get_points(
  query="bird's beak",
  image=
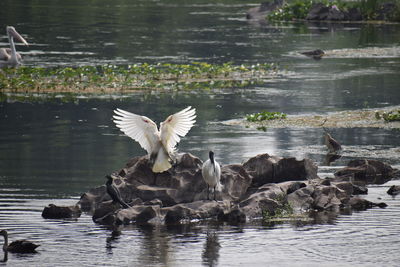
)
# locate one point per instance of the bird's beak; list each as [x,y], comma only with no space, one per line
[17,36]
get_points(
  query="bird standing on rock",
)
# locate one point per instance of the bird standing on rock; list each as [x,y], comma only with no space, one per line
[211,172]
[333,145]
[114,193]
[159,144]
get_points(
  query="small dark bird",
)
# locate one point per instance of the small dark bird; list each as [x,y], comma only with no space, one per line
[394,190]
[211,172]
[114,193]
[315,54]
[18,246]
[333,145]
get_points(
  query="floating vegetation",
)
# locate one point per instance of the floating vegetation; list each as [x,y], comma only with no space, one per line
[367,9]
[265,116]
[112,78]
[289,11]
[343,119]
[388,116]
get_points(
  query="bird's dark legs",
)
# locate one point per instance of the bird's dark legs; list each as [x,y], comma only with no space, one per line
[208,192]
[155,179]
[214,193]
[5,259]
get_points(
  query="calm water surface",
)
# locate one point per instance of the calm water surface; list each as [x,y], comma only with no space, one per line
[53,149]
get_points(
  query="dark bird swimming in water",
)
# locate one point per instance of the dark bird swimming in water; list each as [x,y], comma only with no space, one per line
[114,193]
[315,54]
[18,246]
[211,172]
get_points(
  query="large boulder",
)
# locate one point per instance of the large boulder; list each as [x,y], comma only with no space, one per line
[235,181]
[367,171]
[61,212]
[318,11]
[269,169]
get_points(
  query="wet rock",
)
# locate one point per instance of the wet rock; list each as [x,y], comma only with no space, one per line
[327,197]
[291,169]
[394,190]
[203,209]
[302,199]
[235,181]
[354,14]
[61,212]
[262,184]
[261,168]
[103,210]
[108,219]
[262,200]
[351,189]
[290,187]
[318,11]
[268,169]
[176,214]
[360,204]
[235,216]
[91,197]
[139,214]
[260,12]
[367,172]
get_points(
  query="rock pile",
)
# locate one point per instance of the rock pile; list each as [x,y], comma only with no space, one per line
[263,184]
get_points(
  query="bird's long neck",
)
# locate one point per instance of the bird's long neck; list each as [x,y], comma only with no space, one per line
[212,160]
[12,46]
[5,241]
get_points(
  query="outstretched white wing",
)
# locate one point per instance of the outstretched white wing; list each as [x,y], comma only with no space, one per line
[176,125]
[140,128]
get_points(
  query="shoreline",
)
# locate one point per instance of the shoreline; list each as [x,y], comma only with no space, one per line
[339,119]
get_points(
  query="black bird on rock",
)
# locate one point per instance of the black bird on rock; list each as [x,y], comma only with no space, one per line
[114,193]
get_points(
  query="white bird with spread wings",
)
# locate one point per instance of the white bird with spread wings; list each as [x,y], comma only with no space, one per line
[159,144]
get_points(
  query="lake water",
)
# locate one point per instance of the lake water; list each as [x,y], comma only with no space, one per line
[53,149]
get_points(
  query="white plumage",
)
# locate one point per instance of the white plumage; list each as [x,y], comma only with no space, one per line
[9,56]
[211,172]
[159,144]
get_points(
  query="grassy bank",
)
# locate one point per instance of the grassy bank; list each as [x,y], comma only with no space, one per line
[117,79]
[369,9]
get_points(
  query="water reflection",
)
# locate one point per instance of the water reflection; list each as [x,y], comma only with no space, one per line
[113,238]
[155,246]
[211,248]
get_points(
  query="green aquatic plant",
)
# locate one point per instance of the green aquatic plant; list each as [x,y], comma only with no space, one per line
[282,211]
[289,11]
[265,116]
[393,115]
[112,78]
[370,9]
